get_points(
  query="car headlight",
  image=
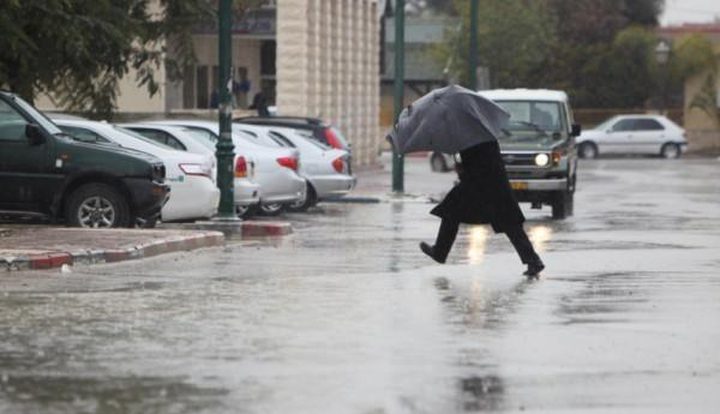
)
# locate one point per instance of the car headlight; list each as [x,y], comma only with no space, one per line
[542,160]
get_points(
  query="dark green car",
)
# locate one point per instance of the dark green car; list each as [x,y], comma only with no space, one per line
[538,147]
[44,171]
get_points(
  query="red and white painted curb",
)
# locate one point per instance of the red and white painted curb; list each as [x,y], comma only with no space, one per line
[48,260]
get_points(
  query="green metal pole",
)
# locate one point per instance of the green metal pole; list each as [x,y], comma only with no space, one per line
[473,52]
[398,170]
[225,154]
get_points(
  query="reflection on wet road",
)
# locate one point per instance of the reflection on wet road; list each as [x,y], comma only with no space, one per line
[347,316]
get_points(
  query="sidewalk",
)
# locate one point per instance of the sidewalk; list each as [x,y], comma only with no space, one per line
[25,247]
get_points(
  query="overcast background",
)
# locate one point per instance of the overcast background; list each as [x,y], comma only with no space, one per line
[696,11]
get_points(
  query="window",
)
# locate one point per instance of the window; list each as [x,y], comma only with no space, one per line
[624,125]
[281,140]
[161,137]
[648,125]
[12,124]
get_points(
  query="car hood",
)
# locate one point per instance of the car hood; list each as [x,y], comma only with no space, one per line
[112,147]
[533,145]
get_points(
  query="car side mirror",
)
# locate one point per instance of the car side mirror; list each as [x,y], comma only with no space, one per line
[576,130]
[34,134]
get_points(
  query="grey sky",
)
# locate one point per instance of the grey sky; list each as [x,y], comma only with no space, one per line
[696,11]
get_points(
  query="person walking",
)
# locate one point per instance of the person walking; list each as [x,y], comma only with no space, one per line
[482,196]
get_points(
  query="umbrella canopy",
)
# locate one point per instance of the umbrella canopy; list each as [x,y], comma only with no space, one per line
[448,120]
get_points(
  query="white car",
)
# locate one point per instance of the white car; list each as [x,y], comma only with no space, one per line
[193,194]
[326,169]
[276,169]
[246,190]
[633,134]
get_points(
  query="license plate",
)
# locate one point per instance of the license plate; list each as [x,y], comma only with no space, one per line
[519,185]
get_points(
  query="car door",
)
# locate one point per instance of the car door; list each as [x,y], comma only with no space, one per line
[648,137]
[26,170]
[617,138]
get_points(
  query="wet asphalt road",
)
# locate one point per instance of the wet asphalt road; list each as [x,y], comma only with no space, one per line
[346,315]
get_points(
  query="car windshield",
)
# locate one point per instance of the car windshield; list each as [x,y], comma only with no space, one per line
[532,120]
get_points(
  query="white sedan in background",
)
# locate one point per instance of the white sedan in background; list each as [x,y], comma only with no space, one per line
[246,190]
[275,168]
[193,193]
[633,134]
[326,169]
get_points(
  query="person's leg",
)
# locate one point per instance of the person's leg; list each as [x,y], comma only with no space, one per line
[444,241]
[525,250]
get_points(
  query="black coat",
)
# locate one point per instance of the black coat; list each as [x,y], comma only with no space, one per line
[483,195]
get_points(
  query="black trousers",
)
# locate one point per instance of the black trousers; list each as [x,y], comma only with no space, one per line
[519,239]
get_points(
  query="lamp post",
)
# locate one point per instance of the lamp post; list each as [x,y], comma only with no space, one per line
[473,50]
[398,166]
[662,56]
[225,148]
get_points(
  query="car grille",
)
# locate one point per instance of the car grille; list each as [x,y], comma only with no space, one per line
[519,160]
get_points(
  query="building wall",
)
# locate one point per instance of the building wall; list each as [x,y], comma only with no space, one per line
[702,129]
[328,67]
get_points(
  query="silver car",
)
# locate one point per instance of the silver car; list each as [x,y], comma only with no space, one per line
[246,190]
[326,169]
[633,134]
[276,169]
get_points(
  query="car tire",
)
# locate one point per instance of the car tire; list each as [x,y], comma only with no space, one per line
[437,163]
[245,212]
[97,205]
[588,150]
[304,204]
[272,209]
[563,205]
[670,151]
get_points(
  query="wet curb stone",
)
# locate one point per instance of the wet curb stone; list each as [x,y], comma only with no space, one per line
[49,260]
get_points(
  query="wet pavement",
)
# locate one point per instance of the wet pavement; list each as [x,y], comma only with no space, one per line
[347,316]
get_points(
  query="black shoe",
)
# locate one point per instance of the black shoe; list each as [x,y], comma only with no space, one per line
[534,269]
[430,251]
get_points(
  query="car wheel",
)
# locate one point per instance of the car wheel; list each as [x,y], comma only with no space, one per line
[437,163]
[246,211]
[97,205]
[563,205]
[272,209]
[670,151]
[305,203]
[588,150]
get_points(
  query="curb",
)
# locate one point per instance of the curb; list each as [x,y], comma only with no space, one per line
[87,257]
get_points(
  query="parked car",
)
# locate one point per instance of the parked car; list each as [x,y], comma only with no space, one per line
[275,168]
[634,134]
[539,147]
[246,191]
[326,169]
[45,171]
[194,195]
[321,131]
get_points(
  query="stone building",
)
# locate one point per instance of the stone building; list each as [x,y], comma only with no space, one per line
[314,58]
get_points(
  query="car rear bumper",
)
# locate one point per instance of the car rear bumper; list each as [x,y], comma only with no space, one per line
[332,185]
[287,187]
[196,198]
[549,184]
[246,192]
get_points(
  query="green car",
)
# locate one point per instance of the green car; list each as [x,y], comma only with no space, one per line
[539,147]
[45,171]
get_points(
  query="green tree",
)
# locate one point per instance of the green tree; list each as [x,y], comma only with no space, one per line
[78,50]
[514,36]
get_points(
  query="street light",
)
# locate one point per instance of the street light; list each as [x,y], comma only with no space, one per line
[662,56]
[398,166]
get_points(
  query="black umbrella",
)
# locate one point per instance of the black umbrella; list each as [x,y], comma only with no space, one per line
[448,120]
